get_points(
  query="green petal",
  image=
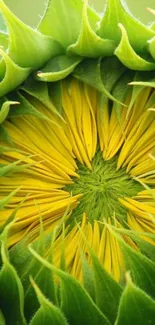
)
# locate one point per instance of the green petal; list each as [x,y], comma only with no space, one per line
[74,299]
[88,43]
[4,40]
[27,47]
[5,201]
[5,110]
[108,292]
[40,91]
[48,314]
[11,74]
[115,13]
[2,320]
[25,108]
[58,68]
[11,291]
[145,247]
[141,267]
[62,20]
[88,277]
[128,56]
[5,136]
[102,75]
[28,265]
[136,307]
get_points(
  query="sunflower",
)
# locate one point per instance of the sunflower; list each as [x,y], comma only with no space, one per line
[77,167]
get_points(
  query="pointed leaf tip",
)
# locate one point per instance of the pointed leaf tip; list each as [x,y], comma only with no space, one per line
[129,57]
[48,314]
[89,44]
[58,68]
[136,307]
[5,110]
[116,13]
[62,20]
[12,75]
[27,47]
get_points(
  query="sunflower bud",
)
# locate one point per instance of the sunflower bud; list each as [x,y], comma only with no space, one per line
[77,167]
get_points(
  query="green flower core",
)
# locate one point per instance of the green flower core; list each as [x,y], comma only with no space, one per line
[101,188]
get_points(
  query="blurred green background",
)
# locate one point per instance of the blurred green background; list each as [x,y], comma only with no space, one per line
[30,10]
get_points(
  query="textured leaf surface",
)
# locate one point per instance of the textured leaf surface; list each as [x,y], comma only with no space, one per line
[75,300]
[12,75]
[142,268]
[27,266]
[58,68]
[98,75]
[11,292]
[2,320]
[136,307]
[108,291]
[129,57]
[5,110]
[48,314]
[115,13]
[27,47]
[62,20]
[89,44]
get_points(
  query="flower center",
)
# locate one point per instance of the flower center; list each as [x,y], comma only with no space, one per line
[101,188]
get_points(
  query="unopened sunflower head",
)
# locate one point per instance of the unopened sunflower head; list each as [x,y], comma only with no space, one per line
[77,152]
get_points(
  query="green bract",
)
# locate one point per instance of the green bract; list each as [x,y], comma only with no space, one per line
[115,54]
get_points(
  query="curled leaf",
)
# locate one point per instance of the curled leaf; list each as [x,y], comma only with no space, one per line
[27,47]
[89,44]
[116,13]
[136,307]
[5,110]
[129,57]
[13,74]
[58,68]
[62,20]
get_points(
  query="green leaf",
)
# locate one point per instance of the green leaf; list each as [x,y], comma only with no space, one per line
[27,47]
[121,90]
[3,27]
[4,136]
[12,76]
[26,108]
[89,44]
[7,170]
[58,68]
[102,75]
[111,72]
[2,320]
[108,291]
[5,110]
[11,291]
[27,265]
[144,79]
[137,32]
[48,314]
[146,248]
[136,307]
[142,268]
[5,201]
[62,20]
[128,56]
[76,304]
[4,40]
[40,91]
[88,277]
[55,93]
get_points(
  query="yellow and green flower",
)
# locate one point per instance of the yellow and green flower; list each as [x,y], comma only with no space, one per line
[77,167]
